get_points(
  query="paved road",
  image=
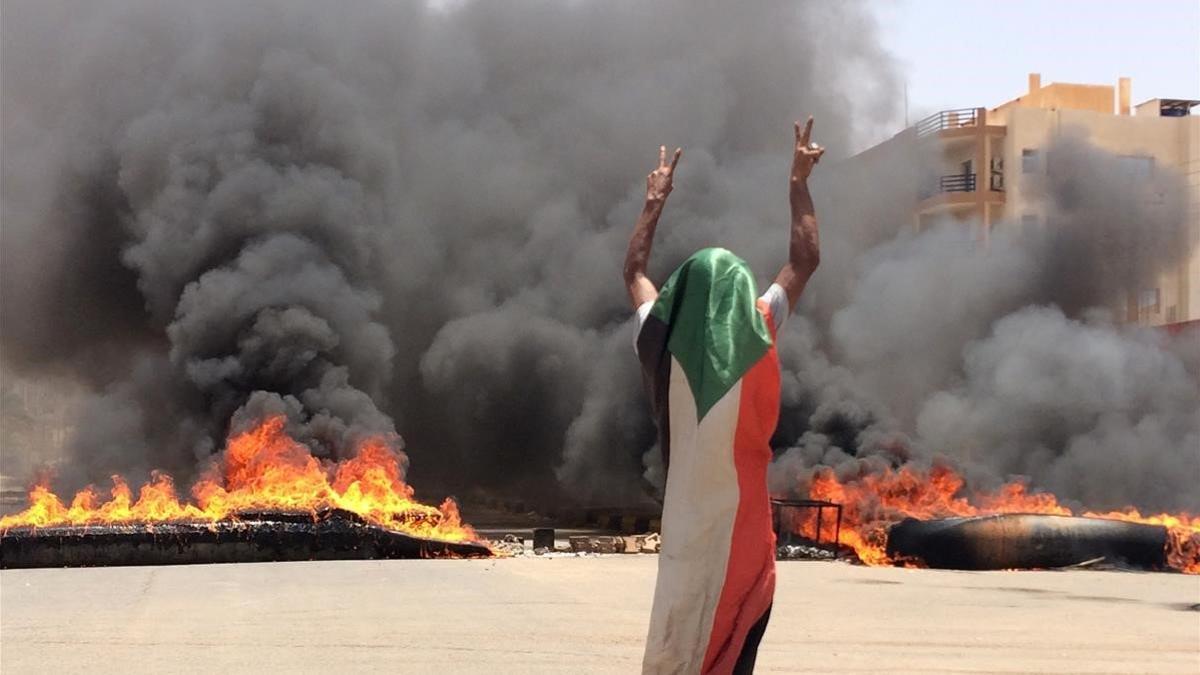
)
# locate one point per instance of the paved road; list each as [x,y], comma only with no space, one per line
[576,615]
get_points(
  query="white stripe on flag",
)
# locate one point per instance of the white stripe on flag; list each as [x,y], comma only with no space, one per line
[699,508]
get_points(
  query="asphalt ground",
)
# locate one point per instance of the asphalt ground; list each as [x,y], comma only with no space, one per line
[579,615]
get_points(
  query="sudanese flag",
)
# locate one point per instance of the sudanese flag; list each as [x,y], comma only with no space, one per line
[706,346]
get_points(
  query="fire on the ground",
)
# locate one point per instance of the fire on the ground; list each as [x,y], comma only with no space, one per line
[262,469]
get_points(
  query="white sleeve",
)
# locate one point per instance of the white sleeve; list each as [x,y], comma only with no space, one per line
[643,311]
[777,299]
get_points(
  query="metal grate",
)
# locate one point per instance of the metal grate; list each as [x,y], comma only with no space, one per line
[796,518]
[959,182]
[947,119]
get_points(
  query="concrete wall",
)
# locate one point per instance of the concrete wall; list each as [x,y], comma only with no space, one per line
[1151,108]
[1027,129]
[1065,96]
[1171,141]
[953,153]
[1190,167]
[1174,143]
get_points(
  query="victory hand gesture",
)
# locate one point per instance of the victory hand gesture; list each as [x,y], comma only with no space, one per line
[658,183]
[807,152]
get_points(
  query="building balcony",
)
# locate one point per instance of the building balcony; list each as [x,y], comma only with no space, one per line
[959,191]
[946,120]
[963,182]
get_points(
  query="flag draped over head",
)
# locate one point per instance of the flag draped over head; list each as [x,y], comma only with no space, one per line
[716,331]
[705,319]
[708,360]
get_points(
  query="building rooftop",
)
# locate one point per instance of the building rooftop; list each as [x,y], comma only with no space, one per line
[1167,107]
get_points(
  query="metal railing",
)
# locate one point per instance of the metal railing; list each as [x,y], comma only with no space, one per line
[962,182]
[947,119]
[794,519]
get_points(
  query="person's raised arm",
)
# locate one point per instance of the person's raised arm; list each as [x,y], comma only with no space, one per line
[804,250]
[658,186]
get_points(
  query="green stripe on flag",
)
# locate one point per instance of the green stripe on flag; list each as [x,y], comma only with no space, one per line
[716,332]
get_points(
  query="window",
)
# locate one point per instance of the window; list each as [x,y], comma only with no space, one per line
[1148,300]
[1148,307]
[1029,160]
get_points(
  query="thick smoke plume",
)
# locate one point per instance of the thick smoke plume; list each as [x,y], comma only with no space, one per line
[397,217]
[1005,360]
[216,210]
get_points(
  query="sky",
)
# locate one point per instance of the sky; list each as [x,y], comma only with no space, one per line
[970,53]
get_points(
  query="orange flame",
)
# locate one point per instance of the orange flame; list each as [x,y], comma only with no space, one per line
[873,502]
[262,469]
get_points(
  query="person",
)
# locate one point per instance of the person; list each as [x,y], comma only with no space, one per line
[706,346]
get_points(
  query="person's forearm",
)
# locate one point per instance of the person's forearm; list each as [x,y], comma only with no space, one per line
[658,186]
[638,255]
[804,249]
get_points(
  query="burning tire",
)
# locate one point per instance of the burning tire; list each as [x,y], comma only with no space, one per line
[1020,541]
[332,534]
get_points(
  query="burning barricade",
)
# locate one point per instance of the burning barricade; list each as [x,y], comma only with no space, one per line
[917,517]
[267,498]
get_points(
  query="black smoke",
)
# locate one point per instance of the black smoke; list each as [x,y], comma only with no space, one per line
[1011,360]
[395,211]
[401,217]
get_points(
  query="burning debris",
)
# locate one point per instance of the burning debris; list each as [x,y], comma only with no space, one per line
[273,221]
[328,534]
[268,498]
[1022,541]
[641,543]
[804,552]
[922,517]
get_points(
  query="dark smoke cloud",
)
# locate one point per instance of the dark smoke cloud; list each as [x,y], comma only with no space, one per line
[215,212]
[1113,223]
[400,218]
[1005,361]
[1100,415]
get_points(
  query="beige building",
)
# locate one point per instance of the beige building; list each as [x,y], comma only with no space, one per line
[981,158]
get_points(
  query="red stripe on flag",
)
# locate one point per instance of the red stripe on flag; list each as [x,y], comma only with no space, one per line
[750,574]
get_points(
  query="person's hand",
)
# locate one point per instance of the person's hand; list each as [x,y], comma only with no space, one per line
[807,153]
[658,183]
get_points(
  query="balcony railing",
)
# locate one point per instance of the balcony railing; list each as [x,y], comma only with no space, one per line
[947,119]
[961,182]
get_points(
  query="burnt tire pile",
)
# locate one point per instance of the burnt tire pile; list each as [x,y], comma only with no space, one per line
[331,534]
[1020,541]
